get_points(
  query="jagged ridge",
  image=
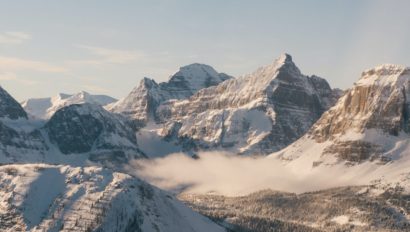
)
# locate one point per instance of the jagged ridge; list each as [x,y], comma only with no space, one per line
[143,100]
[257,113]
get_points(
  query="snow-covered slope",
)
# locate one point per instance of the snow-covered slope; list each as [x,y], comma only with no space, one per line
[258,113]
[44,108]
[38,197]
[143,100]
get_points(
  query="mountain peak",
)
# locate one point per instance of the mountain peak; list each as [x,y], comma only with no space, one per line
[9,107]
[197,67]
[143,100]
[284,58]
[284,61]
[192,78]
[147,83]
[195,75]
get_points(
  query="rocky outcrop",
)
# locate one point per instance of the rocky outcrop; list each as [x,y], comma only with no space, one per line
[258,113]
[354,151]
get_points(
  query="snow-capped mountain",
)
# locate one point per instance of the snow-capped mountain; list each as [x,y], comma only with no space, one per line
[257,113]
[143,100]
[44,108]
[39,197]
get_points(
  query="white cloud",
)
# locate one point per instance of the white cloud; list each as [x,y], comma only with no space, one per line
[106,55]
[14,37]
[230,174]
[12,63]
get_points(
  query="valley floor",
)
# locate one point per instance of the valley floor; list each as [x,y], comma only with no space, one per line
[360,208]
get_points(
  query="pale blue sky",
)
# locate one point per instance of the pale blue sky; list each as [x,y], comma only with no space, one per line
[107,47]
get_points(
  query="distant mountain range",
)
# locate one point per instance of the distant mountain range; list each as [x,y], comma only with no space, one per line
[44,108]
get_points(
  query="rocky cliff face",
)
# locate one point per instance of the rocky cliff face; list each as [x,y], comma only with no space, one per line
[15,140]
[16,146]
[258,113]
[370,122]
[141,103]
[89,128]
[378,102]
[143,100]
[9,107]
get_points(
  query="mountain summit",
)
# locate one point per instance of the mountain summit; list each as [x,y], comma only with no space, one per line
[143,100]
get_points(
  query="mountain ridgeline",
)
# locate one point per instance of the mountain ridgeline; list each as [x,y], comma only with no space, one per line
[257,113]
[197,109]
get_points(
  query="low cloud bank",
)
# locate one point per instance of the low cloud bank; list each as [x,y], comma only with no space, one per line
[228,174]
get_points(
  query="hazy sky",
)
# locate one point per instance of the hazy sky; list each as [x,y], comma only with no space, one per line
[107,47]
